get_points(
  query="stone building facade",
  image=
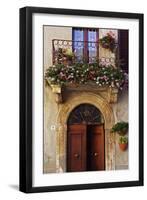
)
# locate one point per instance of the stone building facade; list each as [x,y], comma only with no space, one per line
[113,105]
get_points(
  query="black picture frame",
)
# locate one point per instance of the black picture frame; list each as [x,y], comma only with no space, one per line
[26,92]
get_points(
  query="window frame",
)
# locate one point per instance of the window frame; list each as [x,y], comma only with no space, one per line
[85,40]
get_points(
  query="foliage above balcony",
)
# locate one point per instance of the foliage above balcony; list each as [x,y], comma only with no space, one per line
[86,73]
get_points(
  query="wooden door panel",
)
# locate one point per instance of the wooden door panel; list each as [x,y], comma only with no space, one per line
[76,143]
[85,148]
[96,145]
[76,154]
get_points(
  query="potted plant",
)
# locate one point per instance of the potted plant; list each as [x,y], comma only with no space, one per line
[108,42]
[120,127]
[123,143]
[68,56]
[64,56]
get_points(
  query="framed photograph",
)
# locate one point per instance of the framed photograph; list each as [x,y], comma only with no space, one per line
[81,99]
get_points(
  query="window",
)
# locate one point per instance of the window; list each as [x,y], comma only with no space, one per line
[85,113]
[85,44]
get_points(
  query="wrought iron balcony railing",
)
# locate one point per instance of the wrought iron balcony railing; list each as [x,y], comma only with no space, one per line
[70,52]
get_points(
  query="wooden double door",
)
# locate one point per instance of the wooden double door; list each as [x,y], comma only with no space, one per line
[85,148]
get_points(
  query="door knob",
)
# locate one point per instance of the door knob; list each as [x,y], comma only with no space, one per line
[76,155]
[96,154]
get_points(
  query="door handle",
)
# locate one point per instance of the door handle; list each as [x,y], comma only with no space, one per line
[76,155]
[96,154]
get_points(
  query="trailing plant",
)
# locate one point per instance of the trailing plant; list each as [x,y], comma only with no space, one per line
[81,73]
[108,41]
[120,127]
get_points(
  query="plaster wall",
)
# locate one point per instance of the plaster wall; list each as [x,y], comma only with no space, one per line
[51,108]
[121,114]
[50,33]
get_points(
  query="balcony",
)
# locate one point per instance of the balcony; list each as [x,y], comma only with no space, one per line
[78,66]
[70,52]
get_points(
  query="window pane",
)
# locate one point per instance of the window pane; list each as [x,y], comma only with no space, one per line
[78,35]
[85,113]
[92,45]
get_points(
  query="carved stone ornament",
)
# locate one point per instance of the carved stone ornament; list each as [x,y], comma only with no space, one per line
[109,93]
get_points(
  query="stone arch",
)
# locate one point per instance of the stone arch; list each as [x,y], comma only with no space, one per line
[61,135]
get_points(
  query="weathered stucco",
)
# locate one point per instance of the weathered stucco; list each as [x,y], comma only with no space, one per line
[121,114]
[50,33]
[50,106]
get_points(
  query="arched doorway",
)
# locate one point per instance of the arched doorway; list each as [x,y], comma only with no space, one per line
[85,139]
[66,109]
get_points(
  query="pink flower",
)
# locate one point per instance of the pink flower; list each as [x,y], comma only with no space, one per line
[112,34]
[61,74]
